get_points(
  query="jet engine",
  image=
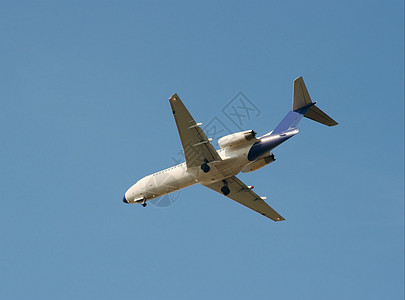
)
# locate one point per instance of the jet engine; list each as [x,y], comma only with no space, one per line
[237,139]
[259,164]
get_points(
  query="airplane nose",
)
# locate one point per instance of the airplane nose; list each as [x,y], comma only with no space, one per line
[124,200]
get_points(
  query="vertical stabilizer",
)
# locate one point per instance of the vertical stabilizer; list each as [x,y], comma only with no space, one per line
[301,96]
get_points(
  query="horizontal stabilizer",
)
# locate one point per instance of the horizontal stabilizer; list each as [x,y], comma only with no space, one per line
[314,113]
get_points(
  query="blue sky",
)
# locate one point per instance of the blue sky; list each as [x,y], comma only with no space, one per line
[84,88]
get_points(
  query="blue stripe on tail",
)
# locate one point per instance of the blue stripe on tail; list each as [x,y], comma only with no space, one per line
[285,130]
[291,120]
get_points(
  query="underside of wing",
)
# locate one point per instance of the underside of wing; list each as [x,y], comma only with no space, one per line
[196,146]
[241,193]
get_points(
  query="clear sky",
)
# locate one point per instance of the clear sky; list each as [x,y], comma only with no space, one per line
[84,88]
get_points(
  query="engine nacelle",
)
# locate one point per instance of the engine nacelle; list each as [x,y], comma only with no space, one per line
[236,139]
[259,164]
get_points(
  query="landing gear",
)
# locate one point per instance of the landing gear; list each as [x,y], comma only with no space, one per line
[205,167]
[225,189]
[144,204]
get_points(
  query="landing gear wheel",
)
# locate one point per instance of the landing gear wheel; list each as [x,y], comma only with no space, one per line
[205,167]
[225,190]
[144,204]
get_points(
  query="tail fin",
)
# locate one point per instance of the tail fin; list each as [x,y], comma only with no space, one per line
[302,101]
[302,107]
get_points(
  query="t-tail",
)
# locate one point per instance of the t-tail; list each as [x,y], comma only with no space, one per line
[302,107]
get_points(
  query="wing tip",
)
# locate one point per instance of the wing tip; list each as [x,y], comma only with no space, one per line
[174,97]
[275,219]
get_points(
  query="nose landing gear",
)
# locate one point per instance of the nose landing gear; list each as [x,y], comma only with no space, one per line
[141,200]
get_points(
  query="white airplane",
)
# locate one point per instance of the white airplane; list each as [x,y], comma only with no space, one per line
[239,152]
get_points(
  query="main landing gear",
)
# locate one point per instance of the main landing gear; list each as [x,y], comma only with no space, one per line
[205,167]
[144,204]
[225,189]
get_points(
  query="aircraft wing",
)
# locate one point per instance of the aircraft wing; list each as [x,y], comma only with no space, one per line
[197,147]
[245,196]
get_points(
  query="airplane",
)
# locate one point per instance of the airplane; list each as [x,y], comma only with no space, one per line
[239,152]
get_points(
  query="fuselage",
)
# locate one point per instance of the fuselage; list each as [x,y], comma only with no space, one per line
[234,160]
